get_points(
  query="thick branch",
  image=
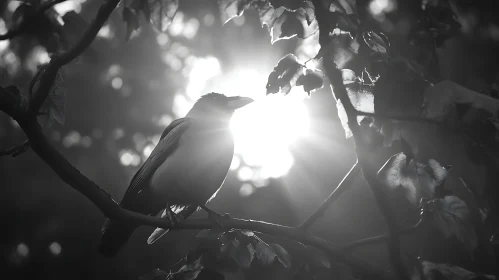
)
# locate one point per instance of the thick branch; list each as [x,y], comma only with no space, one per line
[73,177]
[337,192]
[16,31]
[379,238]
[340,92]
[49,74]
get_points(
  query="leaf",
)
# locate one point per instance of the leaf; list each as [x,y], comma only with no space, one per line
[360,95]
[291,5]
[417,180]
[265,253]
[56,110]
[225,252]
[303,7]
[349,76]
[53,106]
[285,23]
[156,274]
[161,13]
[188,271]
[243,255]
[343,45]
[441,100]
[282,254]
[441,271]
[131,20]
[232,8]
[452,218]
[234,250]
[289,73]
[273,18]
[312,80]
[377,42]
[308,10]
[343,6]
[287,26]
[267,13]
[74,26]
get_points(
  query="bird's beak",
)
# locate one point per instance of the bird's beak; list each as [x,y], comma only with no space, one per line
[236,102]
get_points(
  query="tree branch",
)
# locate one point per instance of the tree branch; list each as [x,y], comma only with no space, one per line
[16,150]
[379,238]
[73,177]
[337,192]
[16,31]
[398,118]
[50,72]
[340,92]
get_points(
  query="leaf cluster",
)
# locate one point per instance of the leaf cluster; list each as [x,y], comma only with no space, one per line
[159,13]
[227,253]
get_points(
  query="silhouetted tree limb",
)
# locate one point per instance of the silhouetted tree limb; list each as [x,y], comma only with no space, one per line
[16,150]
[337,192]
[73,177]
[398,118]
[17,30]
[335,78]
[379,238]
[11,105]
[50,71]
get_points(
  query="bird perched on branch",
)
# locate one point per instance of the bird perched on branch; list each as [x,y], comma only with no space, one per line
[184,171]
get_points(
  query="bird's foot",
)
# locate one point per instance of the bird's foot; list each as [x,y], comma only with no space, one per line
[171,217]
[218,219]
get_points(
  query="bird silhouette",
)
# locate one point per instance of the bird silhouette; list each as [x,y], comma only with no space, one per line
[184,171]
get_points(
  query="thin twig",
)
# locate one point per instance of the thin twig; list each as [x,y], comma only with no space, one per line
[16,150]
[379,238]
[16,31]
[337,192]
[340,92]
[398,118]
[50,73]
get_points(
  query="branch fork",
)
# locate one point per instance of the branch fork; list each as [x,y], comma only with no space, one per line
[72,176]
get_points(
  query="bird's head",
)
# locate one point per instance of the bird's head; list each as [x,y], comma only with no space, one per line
[217,107]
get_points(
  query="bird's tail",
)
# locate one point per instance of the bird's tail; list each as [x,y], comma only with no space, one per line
[182,212]
[114,236]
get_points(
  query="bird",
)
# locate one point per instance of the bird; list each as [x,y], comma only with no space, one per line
[183,173]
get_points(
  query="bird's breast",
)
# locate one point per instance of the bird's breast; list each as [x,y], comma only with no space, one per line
[196,169]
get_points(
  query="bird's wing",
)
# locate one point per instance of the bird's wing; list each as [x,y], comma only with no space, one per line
[166,145]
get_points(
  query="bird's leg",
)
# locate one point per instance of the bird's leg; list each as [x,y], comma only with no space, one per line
[172,217]
[217,218]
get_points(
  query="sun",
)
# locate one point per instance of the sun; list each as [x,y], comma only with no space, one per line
[263,130]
